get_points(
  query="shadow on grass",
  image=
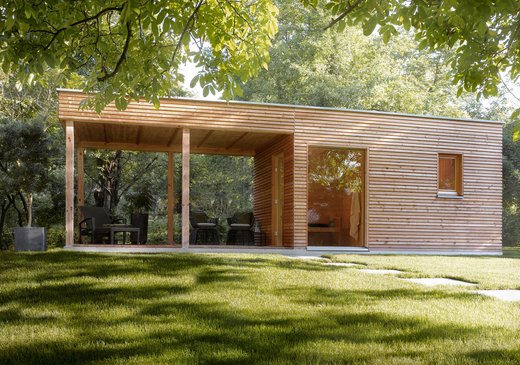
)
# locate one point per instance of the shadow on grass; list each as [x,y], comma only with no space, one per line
[200,321]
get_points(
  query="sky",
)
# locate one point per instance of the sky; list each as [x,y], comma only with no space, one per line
[190,70]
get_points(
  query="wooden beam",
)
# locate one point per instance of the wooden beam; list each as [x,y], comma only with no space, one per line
[81,179]
[185,188]
[69,183]
[205,138]
[237,140]
[138,136]
[158,148]
[172,138]
[171,201]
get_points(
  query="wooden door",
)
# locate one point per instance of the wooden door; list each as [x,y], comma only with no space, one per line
[277,200]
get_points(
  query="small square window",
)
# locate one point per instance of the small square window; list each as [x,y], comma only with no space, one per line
[449,173]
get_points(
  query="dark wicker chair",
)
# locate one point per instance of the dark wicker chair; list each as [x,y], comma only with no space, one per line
[204,229]
[94,224]
[241,229]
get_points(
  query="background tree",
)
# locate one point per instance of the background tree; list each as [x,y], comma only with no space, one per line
[500,109]
[221,185]
[310,66]
[25,153]
[38,103]
[483,36]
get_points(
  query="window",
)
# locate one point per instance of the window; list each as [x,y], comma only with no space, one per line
[450,175]
[336,196]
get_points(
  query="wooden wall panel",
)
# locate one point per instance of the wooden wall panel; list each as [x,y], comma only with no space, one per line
[262,189]
[404,211]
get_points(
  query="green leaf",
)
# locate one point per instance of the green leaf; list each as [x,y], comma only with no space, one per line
[342,25]
[194,81]
[369,25]
[516,114]
[516,136]
[386,36]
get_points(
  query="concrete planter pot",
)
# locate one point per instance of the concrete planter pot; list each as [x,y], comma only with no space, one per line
[139,220]
[30,239]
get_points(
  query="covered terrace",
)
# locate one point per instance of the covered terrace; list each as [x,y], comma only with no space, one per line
[186,126]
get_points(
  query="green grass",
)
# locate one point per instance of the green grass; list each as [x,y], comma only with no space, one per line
[75,308]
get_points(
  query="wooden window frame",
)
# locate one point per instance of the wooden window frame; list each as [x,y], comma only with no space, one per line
[459,176]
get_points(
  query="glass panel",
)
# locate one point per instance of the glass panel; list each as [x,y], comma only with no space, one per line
[447,173]
[336,197]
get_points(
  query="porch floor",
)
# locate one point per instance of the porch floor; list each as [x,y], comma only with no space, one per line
[287,251]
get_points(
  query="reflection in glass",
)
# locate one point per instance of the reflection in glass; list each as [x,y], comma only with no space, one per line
[336,197]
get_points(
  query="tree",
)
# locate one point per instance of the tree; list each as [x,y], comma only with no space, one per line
[500,109]
[35,105]
[484,36]
[310,66]
[113,174]
[25,152]
[128,49]
[134,48]
[511,188]
[221,185]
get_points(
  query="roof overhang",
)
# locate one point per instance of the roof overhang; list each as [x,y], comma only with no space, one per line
[215,127]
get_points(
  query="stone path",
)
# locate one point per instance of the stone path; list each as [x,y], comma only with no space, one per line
[439,281]
[304,257]
[342,264]
[381,271]
[507,295]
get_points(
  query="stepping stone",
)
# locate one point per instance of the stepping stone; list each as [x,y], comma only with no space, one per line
[381,271]
[342,264]
[307,257]
[439,281]
[507,295]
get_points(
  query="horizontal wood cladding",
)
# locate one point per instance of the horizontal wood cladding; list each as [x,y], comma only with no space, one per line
[404,211]
[184,113]
[262,190]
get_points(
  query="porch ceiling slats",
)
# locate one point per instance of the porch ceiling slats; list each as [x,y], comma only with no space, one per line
[219,129]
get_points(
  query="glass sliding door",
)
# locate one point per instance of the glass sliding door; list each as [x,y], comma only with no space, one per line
[336,197]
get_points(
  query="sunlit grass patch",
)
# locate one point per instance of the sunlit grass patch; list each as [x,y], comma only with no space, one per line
[76,308]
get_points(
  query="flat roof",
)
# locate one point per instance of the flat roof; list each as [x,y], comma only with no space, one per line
[295,106]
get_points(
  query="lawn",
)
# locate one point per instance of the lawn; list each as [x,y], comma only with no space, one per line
[77,308]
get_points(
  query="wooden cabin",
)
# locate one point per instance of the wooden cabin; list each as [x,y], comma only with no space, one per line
[324,179]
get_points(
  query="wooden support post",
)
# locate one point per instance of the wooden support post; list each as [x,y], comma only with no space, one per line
[69,183]
[81,178]
[171,202]
[185,187]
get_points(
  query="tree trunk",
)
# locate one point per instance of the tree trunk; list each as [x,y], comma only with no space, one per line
[29,209]
[109,181]
[20,215]
[4,207]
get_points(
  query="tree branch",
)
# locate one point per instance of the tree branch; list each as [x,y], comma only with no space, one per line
[345,13]
[82,21]
[121,57]
[186,27]
[136,179]
[12,199]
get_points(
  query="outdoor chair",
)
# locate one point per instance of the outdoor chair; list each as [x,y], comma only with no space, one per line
[204,230]
[241,229]
[95,223]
